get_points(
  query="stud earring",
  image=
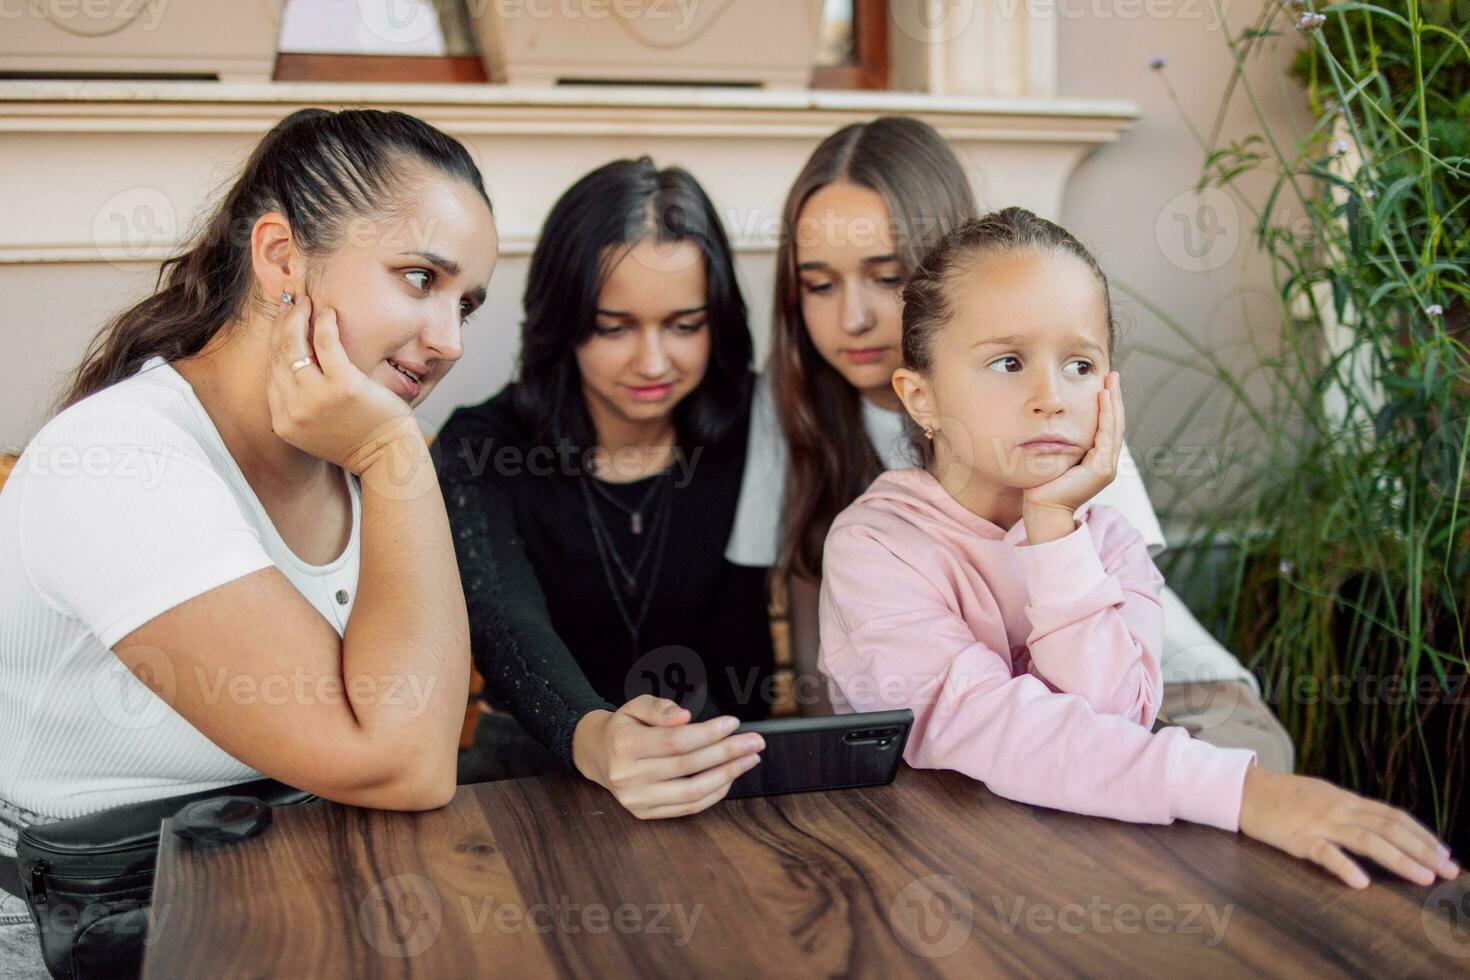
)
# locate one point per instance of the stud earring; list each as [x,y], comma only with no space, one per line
[287,298]
[928,432]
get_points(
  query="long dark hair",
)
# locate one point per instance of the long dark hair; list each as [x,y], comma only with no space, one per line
[929,298]
[317,167]
[609,210]
[913,169]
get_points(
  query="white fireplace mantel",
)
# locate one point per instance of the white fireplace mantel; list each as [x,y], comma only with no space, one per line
[101,180]
[181,139]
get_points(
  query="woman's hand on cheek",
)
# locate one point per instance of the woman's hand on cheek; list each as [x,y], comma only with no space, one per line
[326,406]
[1048,508]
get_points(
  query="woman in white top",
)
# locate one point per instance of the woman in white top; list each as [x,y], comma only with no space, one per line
[825,420]
[228,555]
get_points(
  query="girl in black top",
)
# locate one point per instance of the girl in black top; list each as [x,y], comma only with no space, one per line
[592,500]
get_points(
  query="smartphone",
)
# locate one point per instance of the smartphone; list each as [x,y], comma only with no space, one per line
[830,752]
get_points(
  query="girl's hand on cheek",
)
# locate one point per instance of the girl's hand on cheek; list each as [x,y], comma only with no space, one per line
[1048,508]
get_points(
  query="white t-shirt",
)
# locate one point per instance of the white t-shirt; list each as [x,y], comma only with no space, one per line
[1191,653]
[122,507]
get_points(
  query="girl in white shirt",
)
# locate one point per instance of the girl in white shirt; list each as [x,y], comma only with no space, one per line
[825,421]
[228,555]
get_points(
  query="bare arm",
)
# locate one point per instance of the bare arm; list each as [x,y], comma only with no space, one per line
[810,685]
[371,718]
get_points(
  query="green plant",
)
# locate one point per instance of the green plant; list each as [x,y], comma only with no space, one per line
[1347,582]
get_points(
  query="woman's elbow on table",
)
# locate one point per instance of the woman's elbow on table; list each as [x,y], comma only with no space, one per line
[416,786]
[429,792]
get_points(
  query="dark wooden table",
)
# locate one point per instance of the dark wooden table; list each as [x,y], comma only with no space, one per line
[932,875]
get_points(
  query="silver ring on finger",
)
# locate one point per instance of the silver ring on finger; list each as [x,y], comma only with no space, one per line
[302,362]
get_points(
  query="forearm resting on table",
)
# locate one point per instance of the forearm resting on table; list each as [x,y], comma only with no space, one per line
[804,636]
[587,737]
[408,626]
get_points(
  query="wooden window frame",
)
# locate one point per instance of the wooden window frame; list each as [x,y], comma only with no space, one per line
[302,67]
[869,69]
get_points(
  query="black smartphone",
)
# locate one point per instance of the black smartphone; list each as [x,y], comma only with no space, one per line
[830,752]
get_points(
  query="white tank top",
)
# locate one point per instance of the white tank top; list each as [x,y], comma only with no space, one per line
[123,506]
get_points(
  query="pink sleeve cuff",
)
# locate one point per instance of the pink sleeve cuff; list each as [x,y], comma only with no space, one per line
[1062,570]
[1205,782]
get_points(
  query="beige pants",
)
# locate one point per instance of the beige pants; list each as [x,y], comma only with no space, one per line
[1230,715]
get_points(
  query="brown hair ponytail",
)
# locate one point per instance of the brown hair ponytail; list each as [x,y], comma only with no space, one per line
[318,168]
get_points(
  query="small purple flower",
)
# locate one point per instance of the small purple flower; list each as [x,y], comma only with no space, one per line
[1370,193]
[1338,148]
[1310,21]
[1434,309]
[1157,62]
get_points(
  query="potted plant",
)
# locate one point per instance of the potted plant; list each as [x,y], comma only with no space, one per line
[1345,581]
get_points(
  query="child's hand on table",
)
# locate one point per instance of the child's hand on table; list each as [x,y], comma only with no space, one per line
[1319,822]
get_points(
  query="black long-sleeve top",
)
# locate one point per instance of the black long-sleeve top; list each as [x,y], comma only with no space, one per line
[545,630]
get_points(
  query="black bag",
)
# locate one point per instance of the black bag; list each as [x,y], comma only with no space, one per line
[88,880]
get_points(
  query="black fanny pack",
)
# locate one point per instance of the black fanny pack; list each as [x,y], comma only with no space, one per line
[88,881]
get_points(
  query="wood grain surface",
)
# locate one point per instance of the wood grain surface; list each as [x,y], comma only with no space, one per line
[933,875]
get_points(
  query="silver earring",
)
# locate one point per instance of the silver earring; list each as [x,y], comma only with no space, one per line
[287,298]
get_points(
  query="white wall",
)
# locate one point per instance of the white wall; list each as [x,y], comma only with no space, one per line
[100,181]
[1124,203]
[62,161]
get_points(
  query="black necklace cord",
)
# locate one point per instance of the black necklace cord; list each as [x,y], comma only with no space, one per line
[610,560]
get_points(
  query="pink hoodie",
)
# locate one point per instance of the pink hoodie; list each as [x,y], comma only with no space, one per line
[1034,668]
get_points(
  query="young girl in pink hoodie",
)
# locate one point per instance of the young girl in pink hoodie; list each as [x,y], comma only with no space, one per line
[1021,624]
